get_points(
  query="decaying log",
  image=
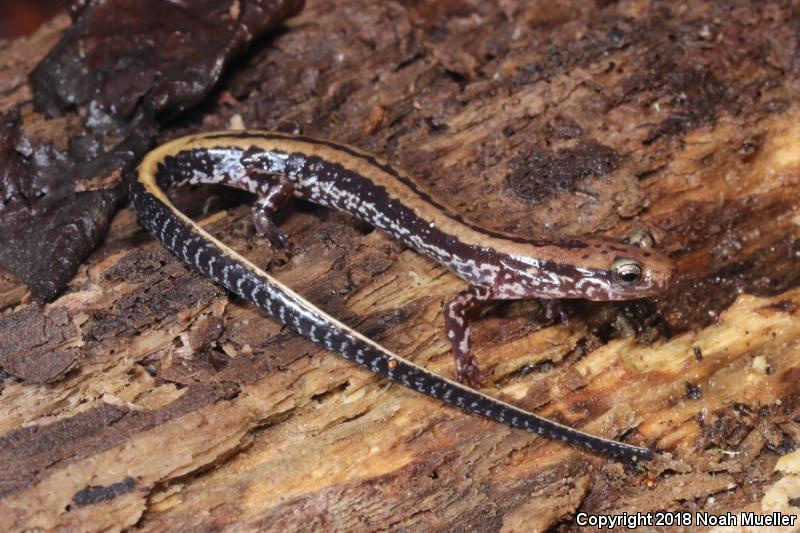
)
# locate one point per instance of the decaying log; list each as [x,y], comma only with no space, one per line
[146,396]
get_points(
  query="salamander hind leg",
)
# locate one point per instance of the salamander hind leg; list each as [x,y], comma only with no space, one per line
[280,191]
[456,321]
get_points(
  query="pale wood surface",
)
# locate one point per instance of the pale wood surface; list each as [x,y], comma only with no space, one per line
[186,408]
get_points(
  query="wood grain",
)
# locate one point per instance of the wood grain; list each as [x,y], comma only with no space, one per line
[185,408]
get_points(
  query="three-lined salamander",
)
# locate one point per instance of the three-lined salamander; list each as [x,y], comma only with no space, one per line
[277,166]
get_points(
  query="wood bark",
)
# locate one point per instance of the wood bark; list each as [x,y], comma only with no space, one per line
[182,407]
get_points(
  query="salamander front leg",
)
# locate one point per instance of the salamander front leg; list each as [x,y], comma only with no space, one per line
[553,308]
[456,322]
[279,192]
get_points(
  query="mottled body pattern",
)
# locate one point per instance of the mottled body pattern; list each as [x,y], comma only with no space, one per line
[498,266]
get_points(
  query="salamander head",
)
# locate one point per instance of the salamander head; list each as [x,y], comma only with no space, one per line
[611,270]
[592,269]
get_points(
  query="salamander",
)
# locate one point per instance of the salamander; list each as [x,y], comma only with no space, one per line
[498,266]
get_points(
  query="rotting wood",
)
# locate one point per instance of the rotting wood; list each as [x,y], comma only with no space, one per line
[187,408]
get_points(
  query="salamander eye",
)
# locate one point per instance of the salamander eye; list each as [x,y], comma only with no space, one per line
[626,271]
[641,238]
